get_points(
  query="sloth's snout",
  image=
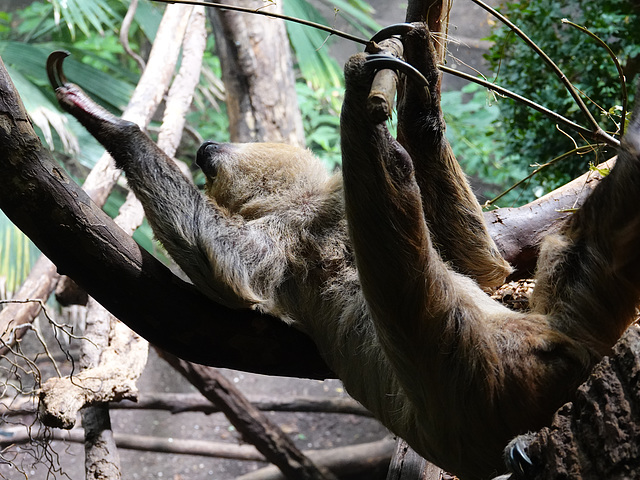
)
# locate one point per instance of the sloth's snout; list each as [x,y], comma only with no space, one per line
[206,157]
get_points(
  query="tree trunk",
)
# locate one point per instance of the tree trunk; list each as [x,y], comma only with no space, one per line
[257,70]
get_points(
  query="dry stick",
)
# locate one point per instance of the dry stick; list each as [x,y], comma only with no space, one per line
[124,34]
[177,403]
[195,402]
[252,424]
[361,461]
[341,458]
[383,86]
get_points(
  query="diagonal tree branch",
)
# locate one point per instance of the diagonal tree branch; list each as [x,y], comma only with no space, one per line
[86,244]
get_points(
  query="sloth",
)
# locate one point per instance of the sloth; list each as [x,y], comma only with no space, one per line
[386,264]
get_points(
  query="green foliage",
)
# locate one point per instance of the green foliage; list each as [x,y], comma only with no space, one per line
[27,37]
[320,88]
[17,256]
[320,108]
[97,60]
[528,134]
[473,129]
[311,45]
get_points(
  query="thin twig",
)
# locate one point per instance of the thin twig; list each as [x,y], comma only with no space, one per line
[577,150]
[267,13]
[563,78]
[124,34]
[598,135]
[623,82]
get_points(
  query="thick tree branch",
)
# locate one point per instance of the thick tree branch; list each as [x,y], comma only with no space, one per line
[519,231]
[85,244]
[261,107]
[145,100]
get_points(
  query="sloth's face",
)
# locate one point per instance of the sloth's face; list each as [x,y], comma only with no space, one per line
[257,176]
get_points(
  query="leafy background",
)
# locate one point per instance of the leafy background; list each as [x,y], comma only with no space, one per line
[529,138]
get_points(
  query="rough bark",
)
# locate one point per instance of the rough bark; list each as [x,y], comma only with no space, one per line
[598,435]
[406,464]
[101,458]
[112,377]
[261,106]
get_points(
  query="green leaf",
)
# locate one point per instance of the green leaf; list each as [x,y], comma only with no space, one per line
[80,13]
[310,46]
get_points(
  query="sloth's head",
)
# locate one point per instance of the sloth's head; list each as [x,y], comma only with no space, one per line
[255,179]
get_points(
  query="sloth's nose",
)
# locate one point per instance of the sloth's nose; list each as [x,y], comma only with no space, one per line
[205,152]
[206,155]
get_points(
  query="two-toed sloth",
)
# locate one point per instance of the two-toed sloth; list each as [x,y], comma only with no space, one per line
[384,266]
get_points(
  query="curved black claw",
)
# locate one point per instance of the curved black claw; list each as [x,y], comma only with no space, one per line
[378,61]
[391,30]
[54,68]
[517,459]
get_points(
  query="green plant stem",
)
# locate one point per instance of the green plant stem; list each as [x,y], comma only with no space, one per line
[584,148]
[623,82]
[598,135]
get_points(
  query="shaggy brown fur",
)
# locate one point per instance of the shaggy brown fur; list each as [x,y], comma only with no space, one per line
[392,293]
